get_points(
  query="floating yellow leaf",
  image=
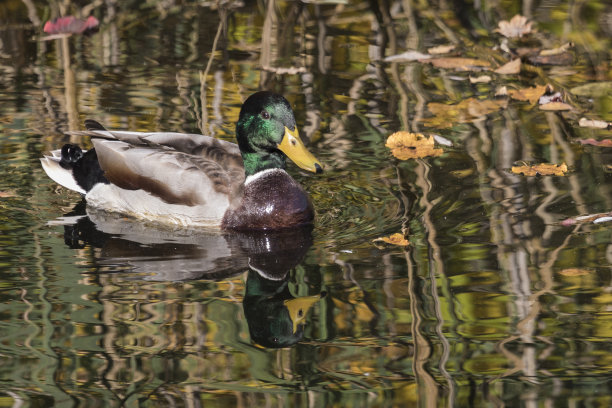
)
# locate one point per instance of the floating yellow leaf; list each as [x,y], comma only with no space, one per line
[574,272]
[459,64]
[555,106]
[544,169]
[512,67]
[406,145]
[528,94]
[394,239]
[515,28]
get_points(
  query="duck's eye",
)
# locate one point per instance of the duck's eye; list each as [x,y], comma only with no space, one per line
[265,115]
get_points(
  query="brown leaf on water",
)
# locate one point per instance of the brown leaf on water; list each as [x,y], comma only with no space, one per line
[574,272]
[601,143]
[515,28]
[555,106]
[7,194]
[544,169]
[406,145]
[512,67]
[394,239]
[528,94]
[593,123]
[459,64]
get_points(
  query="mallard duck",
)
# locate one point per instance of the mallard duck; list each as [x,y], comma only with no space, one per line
[195,180]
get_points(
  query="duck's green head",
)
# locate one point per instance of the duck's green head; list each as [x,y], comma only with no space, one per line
[267,133]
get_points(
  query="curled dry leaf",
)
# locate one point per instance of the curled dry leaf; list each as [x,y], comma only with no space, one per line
[515,28]
[532,94]
[512,67]
[406,145]
[459,64]
[544,169]
[592,123]
[394,239]
[558,50]
[555,106]
[601,143]
[440,49]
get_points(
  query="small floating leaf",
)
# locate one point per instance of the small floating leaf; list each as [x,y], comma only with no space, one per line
[515,28]
[410,55]
[483,79]
[394,239]
[71,25]
[601,143]
[557,51]
[593,123]
[532,94]
[555,106]
[512,67]
[459,64]
[406,145]
[440,49]
[544,169]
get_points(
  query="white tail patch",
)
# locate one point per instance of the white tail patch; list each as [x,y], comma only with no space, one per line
[59,174]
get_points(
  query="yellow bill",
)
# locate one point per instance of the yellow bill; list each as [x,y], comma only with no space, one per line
[293,147]
[298,308]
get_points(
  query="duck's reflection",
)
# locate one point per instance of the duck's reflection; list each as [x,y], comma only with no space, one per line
[275,317]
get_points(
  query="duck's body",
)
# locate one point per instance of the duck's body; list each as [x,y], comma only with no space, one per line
[196,180]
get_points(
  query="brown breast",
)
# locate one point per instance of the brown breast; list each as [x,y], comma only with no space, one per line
[272,201]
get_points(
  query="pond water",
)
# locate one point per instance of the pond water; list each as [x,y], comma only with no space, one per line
[495,302]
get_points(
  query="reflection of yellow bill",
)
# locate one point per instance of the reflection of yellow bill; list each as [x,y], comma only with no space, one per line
[299,307]
[293,147]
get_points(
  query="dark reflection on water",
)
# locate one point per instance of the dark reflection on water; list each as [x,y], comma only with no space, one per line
[494,303]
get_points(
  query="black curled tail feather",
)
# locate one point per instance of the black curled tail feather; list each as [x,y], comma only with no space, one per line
[85,167]
[91,124]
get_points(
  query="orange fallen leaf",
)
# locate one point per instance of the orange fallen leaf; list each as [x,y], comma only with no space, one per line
[459,64]
[528,94]
[515,28]
[512,67]
[394,239]
[406,145]
[574,272]
[544,169]
[555,106]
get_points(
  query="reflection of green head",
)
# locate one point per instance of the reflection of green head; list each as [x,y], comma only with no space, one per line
[275,317]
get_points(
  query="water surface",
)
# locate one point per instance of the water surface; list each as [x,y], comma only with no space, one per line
[494,303]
